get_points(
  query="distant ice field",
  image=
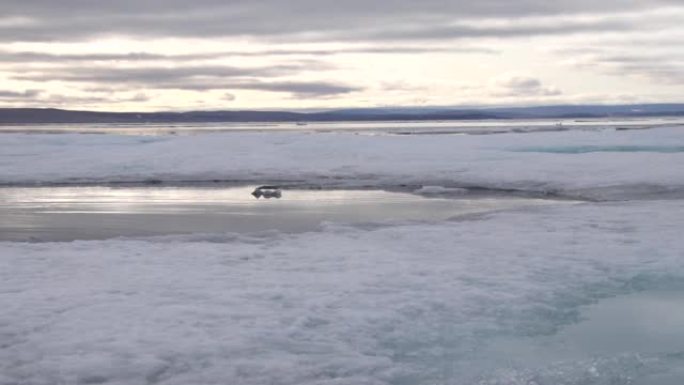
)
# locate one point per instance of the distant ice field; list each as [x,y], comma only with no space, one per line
[370,128]
[594,164]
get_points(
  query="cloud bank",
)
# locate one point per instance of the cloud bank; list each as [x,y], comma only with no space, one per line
[333,53]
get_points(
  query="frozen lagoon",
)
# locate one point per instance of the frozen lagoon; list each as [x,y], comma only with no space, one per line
[535,296]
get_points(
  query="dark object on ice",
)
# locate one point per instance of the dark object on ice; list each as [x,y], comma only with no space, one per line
[267,192]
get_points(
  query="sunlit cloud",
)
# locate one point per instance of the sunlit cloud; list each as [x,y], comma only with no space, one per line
[151,54]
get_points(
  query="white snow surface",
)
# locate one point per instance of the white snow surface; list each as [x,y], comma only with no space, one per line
[493,161]
[403,304]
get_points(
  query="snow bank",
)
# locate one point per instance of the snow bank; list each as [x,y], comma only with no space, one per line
[494,161]
[411,304]
[440,190]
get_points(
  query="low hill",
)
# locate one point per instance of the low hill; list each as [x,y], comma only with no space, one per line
[50,115]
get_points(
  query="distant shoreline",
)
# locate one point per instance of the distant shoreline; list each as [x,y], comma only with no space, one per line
[10,116]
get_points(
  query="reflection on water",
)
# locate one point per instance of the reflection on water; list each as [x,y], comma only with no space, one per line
[649,322]
[67,213]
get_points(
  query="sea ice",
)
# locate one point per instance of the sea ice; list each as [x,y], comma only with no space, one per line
[413,303]
[334,159]
[403,303]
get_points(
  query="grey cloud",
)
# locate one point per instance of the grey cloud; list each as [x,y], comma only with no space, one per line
[663,71]
[41,99]
[157,74]
[399,86]
[4,94]
[303,89]
[376,27]
[307,89]
[523,86]
[81,19]
[627,58]
[44,57]
[105,90]
[139,97]
[670,40]
[406,50]
[68,100]
[657,67]
[508,31]
[21,57]
[193,78]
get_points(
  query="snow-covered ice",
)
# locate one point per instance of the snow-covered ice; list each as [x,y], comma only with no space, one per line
[440,190]
[493,161]
[409,304]
[398,304]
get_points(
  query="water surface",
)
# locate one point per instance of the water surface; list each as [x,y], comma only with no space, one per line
[69,213]
[630,339]
[590,149]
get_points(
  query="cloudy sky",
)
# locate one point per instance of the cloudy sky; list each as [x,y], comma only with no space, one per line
[298,54]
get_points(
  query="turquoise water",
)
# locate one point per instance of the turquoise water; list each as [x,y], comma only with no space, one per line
[589,149]
[633,339]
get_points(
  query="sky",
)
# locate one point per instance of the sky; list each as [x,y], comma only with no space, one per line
[151,55]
